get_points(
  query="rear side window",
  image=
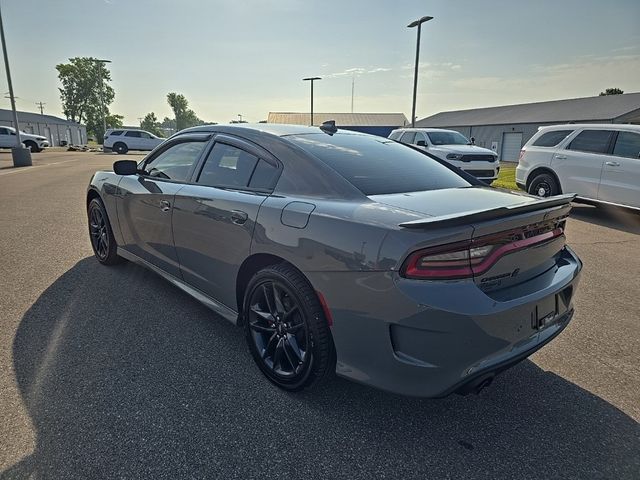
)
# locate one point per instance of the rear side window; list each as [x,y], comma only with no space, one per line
[627,145]
[264,176]
[408,137]
[376,165]
[592,141]
[552,139]
[227,166]
[133,133]
[395,135]
[115,132]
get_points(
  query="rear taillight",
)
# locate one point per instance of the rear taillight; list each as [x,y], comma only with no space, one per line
[474,257]
[521,154]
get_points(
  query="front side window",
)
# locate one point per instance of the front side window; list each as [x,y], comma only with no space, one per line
[592,141]
[627,145]
[447,138]
[175,162]
[408,137]
[4,131]
[132,133]
[552,139]
[227,166]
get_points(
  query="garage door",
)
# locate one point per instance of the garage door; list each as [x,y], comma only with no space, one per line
[511,145]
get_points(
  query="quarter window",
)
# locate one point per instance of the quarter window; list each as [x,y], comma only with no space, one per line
[627,145]
[264,176]
[115,132]
[552,139]
[395,135]
[592,141]
[133,133]
[175,162]
[227,166]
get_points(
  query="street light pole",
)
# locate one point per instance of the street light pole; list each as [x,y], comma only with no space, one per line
[102,109]
[417,23]
[21,156]
[311,79]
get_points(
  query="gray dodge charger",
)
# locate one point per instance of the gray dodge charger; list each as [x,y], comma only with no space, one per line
[342,252]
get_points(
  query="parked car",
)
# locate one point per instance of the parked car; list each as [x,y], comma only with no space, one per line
[35,143]
[600,163]
[452,147]
[346,252]
[122,140]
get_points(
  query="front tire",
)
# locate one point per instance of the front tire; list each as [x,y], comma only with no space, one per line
[544,185]
[33,146]
[120,148]
[286,329]
[102,240]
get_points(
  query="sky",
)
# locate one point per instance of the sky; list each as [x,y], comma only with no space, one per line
[248,57]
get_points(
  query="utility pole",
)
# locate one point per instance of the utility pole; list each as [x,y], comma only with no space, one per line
[41,107]
[21,156]
[417,23]
[139,121]
[311,79]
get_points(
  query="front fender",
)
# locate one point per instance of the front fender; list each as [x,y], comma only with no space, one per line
[105,185]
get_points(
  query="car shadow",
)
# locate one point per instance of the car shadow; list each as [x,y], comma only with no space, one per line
[625,220]
[125,376]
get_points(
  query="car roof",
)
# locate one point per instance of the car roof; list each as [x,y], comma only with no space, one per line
[420,129]
[597,126]
[277,129]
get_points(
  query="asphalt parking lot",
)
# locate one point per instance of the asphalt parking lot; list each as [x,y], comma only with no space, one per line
[113,373]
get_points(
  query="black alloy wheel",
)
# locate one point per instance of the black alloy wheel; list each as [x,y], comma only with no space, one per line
[102,239]
[286,329]
[544,185]
[120,148]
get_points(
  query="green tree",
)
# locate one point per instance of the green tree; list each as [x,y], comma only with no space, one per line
[151,124]
[611,91]
[184,116]
[85,89]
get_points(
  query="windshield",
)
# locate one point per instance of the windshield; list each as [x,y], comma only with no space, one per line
[447,138]
[376,165]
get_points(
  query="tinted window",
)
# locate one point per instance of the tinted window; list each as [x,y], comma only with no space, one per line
[175,162]
[376,165]
[551,139]
[627,145]
[264,176]
[395,135]
[595,141]
[4,131]
[133,133]
[144,135]
[116,132]
[447,138]
[227,166]
[408,137]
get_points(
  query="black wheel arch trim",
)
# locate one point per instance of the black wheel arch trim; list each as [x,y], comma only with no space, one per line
[540,170]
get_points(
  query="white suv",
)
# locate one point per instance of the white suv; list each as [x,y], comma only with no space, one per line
[122,140]
[454,148]
[598,162]
[35,143]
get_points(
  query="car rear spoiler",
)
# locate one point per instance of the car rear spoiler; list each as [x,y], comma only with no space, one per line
[561,202]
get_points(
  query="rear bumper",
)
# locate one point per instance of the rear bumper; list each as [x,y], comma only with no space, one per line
[430,339]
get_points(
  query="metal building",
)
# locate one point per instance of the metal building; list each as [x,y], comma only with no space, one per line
[373,123]
[506,129]
[53,128]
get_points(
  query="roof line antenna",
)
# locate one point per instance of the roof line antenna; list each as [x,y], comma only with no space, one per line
[329,127]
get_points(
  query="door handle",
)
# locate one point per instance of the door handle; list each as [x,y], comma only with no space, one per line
[165,205]
[238,217]
[612,164]
[561,157]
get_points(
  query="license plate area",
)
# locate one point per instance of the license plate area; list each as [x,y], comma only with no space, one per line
[545,313]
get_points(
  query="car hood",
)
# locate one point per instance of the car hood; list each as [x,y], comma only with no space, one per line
[464,149]
[451,201]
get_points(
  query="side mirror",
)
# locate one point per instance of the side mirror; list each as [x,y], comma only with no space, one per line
[125,167]
[421,143]
[473,140]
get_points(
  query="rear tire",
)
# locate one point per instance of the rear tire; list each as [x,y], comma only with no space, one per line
[286,329]
[544,185]
[103,242]
[120,148]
